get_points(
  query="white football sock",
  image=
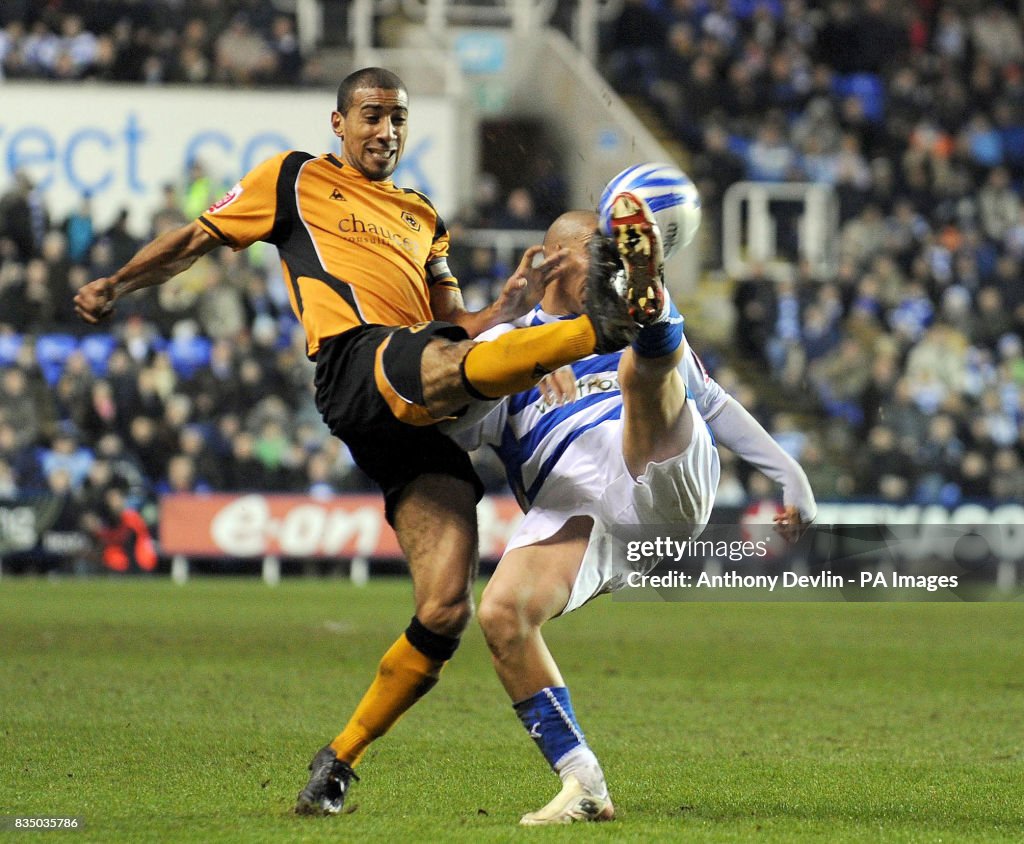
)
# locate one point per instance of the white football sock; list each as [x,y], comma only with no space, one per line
[582,764]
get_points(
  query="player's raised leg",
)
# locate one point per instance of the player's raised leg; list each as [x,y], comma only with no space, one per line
[530,586]
[653,392]
[455,373]
[435,521]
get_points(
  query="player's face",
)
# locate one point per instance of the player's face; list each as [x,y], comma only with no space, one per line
[572,232]
[373,130]
[572,280]
[576,271]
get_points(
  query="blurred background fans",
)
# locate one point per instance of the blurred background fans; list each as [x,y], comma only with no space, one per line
[856,281]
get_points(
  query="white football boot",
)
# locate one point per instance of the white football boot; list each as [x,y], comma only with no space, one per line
[572,803]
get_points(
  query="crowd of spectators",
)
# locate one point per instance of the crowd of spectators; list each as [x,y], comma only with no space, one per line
[200,385]
[237,42]
[913,110]
[203,385]
[901,377]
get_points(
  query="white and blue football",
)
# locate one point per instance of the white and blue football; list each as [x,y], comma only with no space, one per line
[668,192]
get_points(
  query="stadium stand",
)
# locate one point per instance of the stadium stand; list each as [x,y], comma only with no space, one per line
[153,41]
[906,367]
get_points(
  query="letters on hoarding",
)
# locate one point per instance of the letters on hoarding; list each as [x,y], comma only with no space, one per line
[121,144]
[256,525]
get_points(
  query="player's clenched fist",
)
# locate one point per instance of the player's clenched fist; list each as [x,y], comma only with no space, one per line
[95,300]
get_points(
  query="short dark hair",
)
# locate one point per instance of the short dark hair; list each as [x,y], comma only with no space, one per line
[368,77]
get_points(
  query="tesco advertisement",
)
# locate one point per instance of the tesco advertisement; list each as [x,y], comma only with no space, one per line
[120,145]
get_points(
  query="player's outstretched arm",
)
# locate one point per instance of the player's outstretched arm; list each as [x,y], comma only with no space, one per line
[737,430]
[154,263]
[522,291]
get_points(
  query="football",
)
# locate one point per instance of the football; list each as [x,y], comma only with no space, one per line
[669,193]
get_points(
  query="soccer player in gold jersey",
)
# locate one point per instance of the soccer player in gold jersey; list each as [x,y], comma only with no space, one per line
[366,266]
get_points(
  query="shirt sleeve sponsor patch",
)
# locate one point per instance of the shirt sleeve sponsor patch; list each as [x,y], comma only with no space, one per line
[226,200]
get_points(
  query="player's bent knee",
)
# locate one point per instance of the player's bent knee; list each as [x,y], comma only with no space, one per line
[444,391]
[448,618]
[413,363]
[502,620]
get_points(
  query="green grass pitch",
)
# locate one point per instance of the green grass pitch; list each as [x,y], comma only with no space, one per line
[163,713]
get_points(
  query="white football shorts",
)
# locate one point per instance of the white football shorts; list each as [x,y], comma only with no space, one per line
[679,491]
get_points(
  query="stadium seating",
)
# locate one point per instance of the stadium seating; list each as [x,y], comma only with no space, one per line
[189,354]
[866,87]
[52,352]
[10,346]
[924,178]
[97,349]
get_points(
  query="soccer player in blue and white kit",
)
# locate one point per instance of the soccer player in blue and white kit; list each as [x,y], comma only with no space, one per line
[622,438]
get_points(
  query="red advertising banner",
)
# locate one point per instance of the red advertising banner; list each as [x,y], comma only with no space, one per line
[257,525]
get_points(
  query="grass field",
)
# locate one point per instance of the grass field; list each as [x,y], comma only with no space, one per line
[163,713]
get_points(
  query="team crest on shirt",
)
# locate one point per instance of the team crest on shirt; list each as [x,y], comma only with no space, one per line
[226,200]
[410,221]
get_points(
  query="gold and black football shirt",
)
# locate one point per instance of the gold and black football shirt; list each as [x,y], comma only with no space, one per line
[353,251]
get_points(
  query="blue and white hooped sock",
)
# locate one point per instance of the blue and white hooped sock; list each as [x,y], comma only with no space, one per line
[662,337]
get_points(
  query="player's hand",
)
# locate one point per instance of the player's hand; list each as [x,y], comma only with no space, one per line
[789,524]
[558,387]
[527,284]
[95,301]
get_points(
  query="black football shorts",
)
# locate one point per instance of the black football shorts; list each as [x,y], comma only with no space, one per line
[369,392]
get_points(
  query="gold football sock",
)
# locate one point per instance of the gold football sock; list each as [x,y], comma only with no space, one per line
[517,360]
[404,675]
